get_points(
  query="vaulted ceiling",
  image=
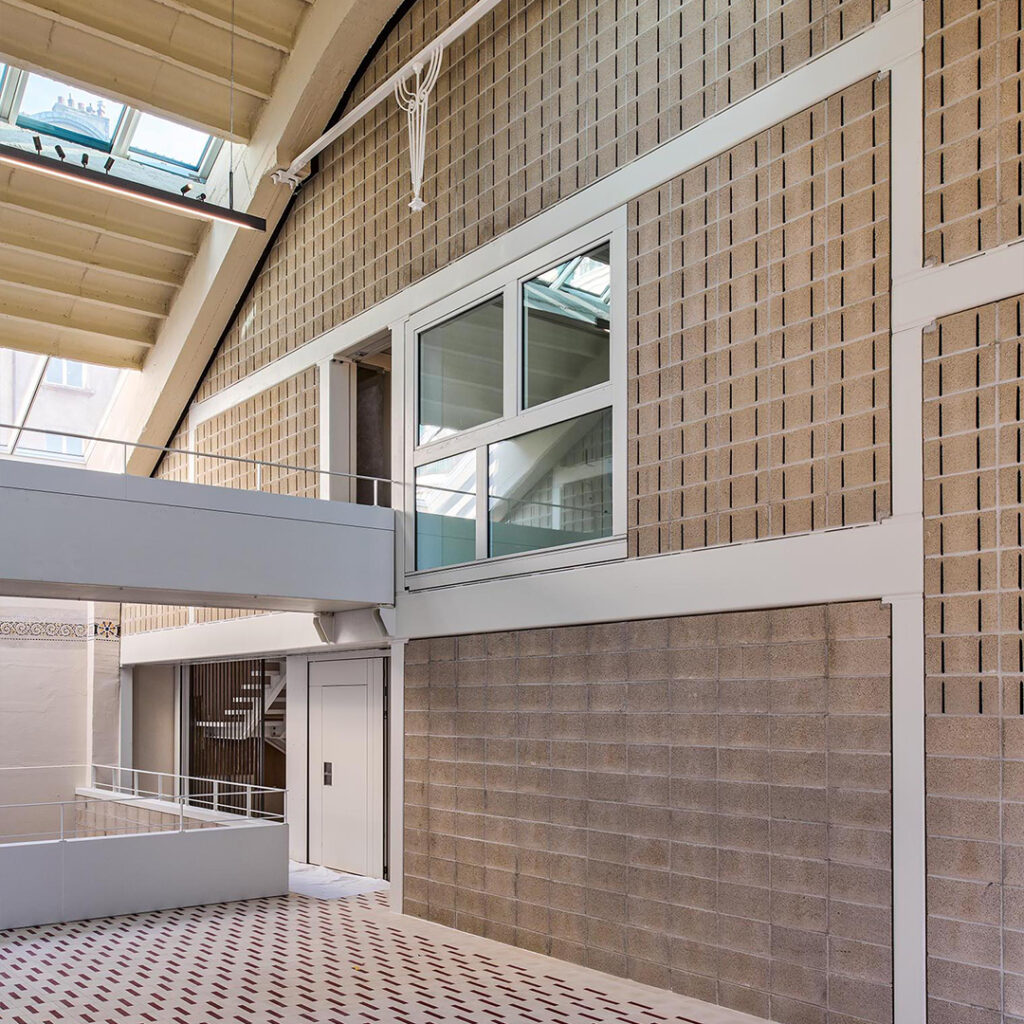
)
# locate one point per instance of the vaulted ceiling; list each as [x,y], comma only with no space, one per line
[98,276]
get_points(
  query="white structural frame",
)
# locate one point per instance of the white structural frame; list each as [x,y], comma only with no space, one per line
[881,561]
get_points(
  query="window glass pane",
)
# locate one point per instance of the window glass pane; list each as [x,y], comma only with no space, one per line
[68,111]
[446,511]
[551,486]
[157,137]
[565,323]
[460,368]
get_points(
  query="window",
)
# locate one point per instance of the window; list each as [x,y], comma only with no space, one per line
[166,144]
[565,328]
[57,444]
[69,112]
[446,511]
[520,402]
[66,114]
[551,486]
[65,372]
[460,361]
[44,398]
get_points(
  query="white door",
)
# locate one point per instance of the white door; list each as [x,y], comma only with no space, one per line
[346,765]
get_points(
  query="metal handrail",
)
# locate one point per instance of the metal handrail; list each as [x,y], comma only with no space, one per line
[220,801]
[259,463]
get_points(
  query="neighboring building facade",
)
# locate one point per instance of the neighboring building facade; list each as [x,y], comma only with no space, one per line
[705,666]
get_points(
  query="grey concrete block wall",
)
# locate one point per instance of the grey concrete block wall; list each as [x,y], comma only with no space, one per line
[701,803]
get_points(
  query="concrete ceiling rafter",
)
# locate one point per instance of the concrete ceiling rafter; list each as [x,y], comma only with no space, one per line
[63,288]
[71,254]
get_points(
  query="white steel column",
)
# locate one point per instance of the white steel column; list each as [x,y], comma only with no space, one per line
[908,811]
[337,429]
[396,774]
[297,759]
[908,738]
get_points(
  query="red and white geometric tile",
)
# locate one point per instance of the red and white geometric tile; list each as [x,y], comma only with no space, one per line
[295,960]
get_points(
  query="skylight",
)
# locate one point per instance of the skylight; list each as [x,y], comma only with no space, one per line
[40,394]
[60,113]
[158,139]
[69,112]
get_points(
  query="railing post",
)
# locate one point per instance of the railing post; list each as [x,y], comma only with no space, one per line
[376,482]
[181,815]
[259,477]
[248,801]
[124,457]
[216,795]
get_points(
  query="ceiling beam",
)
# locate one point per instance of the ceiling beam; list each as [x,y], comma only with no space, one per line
[80,292]
[13,313]
[93,20]
[134,231]
[86,348]
[87,258]
[217,12]
[34,42]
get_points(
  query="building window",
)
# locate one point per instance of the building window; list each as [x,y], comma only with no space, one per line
[566,318]
[551,486]
[57,444]
[446,511]
[516,386]
[460,364]
[65,372]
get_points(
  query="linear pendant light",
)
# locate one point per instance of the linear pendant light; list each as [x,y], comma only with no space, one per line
[130,189]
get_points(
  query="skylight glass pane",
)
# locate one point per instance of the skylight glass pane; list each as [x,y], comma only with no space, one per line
[72,397]
[19,372]
[166,140]
[69,112]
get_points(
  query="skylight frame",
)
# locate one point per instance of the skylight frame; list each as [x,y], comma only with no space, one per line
[13,444]
[26,121]
[13,81]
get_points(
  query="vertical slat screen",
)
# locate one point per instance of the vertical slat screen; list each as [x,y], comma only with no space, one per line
[226,730]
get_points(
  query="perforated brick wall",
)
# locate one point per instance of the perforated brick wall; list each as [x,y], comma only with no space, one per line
[974,578]
[279,425]
[759,335]
[974,126]
[700,803]
[535,102]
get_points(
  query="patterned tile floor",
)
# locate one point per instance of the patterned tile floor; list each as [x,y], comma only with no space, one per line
[295,960]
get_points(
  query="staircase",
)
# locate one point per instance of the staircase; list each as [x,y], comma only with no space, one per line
[241,720]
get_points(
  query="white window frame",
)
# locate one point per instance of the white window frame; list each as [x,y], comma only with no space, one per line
[515,420]
[63,382]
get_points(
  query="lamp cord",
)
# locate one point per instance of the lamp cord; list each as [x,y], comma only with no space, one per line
[231,116]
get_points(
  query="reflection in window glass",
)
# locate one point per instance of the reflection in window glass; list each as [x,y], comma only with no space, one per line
[69,112]
[565,324]
[551,486]
[446,511]
[167,141]
[460,372]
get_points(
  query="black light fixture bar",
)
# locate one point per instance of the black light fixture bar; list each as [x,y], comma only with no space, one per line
[124,186]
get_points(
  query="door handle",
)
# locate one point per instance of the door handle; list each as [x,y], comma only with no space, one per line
[328,773]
